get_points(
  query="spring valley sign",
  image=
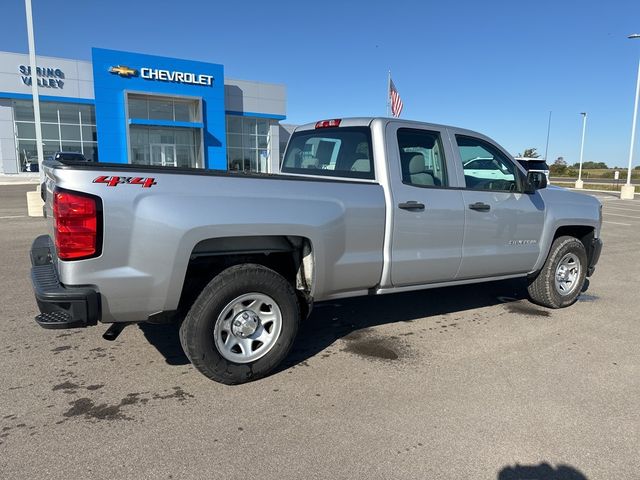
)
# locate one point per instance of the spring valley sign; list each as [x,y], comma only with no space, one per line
[46,77]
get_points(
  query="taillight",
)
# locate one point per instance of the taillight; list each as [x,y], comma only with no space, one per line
[75,225]
[328,123]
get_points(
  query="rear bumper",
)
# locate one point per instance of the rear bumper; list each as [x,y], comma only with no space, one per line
[594,255]
[60,306]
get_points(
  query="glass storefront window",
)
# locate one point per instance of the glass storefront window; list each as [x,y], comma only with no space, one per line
[152,107]
[138,108]
[70,132]
[49,112]
[247,143]
[160,109]
[234,141]
[23,110]
[263,127]
[88,114]
[26,130]
[72,147]
[89,133]
[69,113]
[185,111]
[248,126]
[234,125]
[90,150]
[50,131]
[62,125]
[165,146]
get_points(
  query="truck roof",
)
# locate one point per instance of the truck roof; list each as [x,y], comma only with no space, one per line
[367,121]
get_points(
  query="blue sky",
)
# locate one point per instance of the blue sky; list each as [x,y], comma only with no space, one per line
[498,67]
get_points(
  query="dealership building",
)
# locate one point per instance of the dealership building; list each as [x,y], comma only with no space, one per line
[125,107]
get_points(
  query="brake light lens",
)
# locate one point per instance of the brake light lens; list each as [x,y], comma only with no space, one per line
[75,225]
[328,123]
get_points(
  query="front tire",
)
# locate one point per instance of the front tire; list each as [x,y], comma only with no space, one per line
[561,279]
[242,325]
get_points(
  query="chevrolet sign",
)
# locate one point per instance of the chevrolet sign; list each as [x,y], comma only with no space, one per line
[178,77]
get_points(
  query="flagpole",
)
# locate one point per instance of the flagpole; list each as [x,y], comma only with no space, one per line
[388,92]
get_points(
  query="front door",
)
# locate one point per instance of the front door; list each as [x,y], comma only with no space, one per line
[428,215]
[163,154]
[503,225]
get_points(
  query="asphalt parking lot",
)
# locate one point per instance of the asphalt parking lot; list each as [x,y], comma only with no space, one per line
[459,383]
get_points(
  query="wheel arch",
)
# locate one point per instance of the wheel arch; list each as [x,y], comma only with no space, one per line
[584,233]
[290,256]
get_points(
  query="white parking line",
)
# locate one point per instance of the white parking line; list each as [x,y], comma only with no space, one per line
[12,216]
[617,223]
[621,215]
[623,208]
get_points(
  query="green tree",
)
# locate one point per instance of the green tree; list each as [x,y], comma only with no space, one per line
[529,153]
[559,167]
[598,165]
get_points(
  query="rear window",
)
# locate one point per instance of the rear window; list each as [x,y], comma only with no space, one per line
[534,164]
[330,152]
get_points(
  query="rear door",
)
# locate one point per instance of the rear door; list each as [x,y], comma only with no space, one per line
[428,215]
[503,225]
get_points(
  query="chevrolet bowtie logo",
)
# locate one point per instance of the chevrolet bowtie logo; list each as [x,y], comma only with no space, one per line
[123,71]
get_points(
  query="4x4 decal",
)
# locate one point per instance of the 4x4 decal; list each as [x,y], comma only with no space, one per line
[146,182]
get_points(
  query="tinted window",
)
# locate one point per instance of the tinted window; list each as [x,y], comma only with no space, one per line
[486,167]
[331,152]
[421,158]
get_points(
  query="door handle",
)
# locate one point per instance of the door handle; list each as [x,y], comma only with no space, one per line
[411,205]
[480,207]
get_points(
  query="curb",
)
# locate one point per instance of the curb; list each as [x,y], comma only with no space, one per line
[612,192]
[22,182]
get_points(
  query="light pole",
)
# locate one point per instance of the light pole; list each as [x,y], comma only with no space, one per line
[579,182]
[546,148]
[627,191]
[34,86]
[34,201]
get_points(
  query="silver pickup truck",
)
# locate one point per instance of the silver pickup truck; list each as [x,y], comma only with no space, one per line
[362,206]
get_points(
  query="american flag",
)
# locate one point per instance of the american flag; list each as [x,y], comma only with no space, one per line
[396,101]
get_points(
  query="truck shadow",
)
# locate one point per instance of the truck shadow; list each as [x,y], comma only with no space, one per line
[543,471]
[346,318]
[334,320]
[331,321]
[166,339]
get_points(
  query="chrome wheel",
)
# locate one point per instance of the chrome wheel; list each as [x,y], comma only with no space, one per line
[567,274]
[248,327]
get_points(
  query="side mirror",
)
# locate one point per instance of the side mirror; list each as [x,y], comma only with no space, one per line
[535,181]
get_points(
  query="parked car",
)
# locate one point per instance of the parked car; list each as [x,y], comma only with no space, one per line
[487,168]
[70,157]
[240,259]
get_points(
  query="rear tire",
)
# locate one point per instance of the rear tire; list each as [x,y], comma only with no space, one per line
[242,325]
[561,279]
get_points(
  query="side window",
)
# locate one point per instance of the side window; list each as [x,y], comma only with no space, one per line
[422,158]
[485,167]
